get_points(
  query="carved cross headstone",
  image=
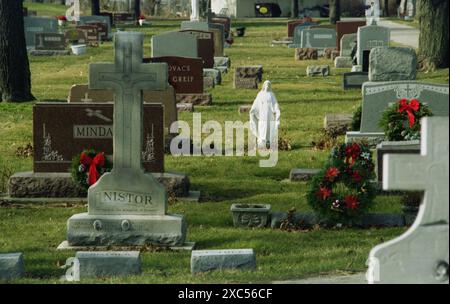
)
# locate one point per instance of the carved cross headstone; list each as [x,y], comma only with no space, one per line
[421,255]
[128,77]
[127,206]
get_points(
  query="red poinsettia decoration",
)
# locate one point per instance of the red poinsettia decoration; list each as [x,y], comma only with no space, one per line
[356,176]
[324,193]
[351,202]
[352,152]
[409,108]
[61,18]
[141,17]
[332,173]
[92,163]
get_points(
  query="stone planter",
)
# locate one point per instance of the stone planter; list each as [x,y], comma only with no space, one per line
[240,31]
[79,49]
[250,215]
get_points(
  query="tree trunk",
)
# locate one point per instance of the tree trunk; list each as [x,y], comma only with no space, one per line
[386,8]
[294,13]
[433,39]
[15,77]
[335,11]
[95,7]
[137,9]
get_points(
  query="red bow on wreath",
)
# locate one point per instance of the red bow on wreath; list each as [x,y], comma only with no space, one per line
[98,160]
[409,108]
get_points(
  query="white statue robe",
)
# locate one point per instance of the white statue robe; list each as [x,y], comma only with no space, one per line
[195,10]
[265,116]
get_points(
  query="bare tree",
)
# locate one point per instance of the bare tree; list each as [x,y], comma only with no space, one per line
[15,77]
[294,9]
[335,11]
[433,39]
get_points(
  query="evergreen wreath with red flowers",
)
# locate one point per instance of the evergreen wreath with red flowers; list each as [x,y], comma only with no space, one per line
[88,166]
[401,121]
[342,192]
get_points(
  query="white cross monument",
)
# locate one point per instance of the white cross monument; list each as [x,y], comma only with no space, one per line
[420,255]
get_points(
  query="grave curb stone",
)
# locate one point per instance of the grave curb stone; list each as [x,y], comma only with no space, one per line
[204,99]
[207,260]
[214,74]
[60,185]
[102,264]
[11,266]
[302,174]
[317,70]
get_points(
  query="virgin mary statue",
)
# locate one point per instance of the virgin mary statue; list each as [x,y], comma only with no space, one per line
[265,116]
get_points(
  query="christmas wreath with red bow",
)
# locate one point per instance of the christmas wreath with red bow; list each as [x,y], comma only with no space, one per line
[401,121]
[88,167]
[342,192]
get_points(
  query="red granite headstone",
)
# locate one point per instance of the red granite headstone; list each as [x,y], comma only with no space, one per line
[89,126]
[346,27]
[185,74]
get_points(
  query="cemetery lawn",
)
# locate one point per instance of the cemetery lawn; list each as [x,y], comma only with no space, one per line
[36,229]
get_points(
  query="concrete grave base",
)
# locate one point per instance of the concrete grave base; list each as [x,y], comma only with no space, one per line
[215,74]
[204,99]
[121,230]
[185,107]
[354,80]
[187,246]
[222,61]
[373,138]
[60,186]
[49,52]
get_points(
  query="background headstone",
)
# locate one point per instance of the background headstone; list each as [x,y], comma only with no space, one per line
[392,64]
[205,46]
[177,44]
[35,25]
[369,37]
[318,38]
[347,27]
[185,74]
[50,41]
[11,266]
[207,260]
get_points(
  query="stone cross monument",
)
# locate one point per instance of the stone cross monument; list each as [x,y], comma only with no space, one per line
[126,206]
[421,255]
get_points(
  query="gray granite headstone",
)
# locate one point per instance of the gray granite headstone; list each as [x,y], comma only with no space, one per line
[392,64]
[178,44]
[377,96]
[369,37]
[206,260]
[11,266]
[318,38]
[354,80]
[103,264]
[297,40]
[421,254]
[194,25]
[348,41]
[50,41]
[35,25]
[126,206]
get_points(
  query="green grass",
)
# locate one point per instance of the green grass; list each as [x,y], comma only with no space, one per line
[44,9]
[36,230]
